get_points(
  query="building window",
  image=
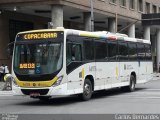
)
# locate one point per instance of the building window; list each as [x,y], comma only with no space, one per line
[123,2]
[140,5]
[18,26]
[147,8]
[113,1]
[132,4]
[154,9]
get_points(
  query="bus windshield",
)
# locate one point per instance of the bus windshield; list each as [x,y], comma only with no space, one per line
[38,58]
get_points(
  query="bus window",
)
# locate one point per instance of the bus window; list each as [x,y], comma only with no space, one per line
[141,52]
[101,50]
[74,52]
[112,51]
[68,53]
[88,50]
[123,51]
[148,52]
[132,50]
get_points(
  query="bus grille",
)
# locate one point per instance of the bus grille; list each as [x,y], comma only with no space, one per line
[30,91]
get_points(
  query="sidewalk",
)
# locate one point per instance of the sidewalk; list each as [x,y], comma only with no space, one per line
[1,85]
[4,93]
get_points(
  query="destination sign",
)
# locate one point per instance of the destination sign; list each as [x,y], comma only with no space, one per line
[27,66]
[37,36]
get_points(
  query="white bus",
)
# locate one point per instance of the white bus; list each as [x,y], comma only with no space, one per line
[59,62]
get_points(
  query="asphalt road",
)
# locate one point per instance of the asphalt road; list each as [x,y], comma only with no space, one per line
[146,99]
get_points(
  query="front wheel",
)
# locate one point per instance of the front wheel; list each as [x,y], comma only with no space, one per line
[87,90]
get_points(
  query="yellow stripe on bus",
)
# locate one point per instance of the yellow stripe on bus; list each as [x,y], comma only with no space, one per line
[117,72]
[36,84]
[87,34]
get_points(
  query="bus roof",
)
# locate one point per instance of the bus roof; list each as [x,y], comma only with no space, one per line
[106,35]
[98,34]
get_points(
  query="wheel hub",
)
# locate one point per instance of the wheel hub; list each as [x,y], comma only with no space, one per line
[87,89]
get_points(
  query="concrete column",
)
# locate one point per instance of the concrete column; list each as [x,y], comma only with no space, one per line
[147,32]
[112,25]
[131,31]
[158,49]
[87,21]
[57,16]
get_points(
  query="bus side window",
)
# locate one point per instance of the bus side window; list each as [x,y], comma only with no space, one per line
[68,53]
[123,51]
[132,51]
[141,52]
[100,50]
[88,50]
[74,52]
[112,51]
[148,52]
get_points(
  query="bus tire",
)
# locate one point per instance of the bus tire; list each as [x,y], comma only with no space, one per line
[87,90]
[132,84]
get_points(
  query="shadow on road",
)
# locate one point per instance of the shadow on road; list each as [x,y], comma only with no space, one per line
[74,99]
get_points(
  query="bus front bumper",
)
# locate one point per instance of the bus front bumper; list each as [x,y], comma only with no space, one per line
[60,90]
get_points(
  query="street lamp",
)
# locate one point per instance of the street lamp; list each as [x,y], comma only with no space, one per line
[15,8]
[92,15]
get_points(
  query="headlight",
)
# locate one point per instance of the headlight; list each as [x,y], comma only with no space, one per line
[59,80]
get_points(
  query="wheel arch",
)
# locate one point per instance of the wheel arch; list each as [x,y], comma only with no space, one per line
[91,78]
[135,76]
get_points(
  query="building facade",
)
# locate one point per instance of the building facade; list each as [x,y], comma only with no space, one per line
[109,15]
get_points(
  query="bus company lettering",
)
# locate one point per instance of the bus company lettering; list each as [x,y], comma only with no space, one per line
[92,68]
[32,36]
[27,66]
[129,67]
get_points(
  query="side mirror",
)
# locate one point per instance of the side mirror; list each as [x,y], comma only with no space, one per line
[10,49]
[8,52]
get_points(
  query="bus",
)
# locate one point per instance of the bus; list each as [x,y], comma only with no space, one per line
[63,62]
